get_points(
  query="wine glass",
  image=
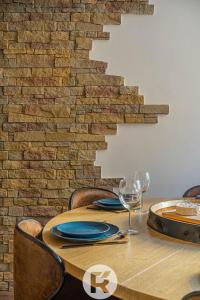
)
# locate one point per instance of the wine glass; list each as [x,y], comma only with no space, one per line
[144,179]
[130,197]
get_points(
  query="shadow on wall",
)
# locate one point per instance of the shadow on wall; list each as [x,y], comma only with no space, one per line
[161,55]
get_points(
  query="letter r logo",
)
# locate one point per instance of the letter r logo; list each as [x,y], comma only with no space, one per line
[100,281]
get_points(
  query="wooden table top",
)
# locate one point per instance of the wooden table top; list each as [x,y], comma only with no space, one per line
[149,266]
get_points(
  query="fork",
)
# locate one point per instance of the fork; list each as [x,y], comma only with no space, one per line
[120,239]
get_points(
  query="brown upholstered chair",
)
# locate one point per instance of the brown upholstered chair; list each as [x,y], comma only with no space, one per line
[192,192]
[85,196]
[192,296]
[38,271]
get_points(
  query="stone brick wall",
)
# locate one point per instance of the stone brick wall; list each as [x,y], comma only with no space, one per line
[56,105]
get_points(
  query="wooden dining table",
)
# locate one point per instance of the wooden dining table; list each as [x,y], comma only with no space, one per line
[150,266]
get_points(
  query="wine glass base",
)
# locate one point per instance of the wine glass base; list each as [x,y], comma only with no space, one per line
[132,231]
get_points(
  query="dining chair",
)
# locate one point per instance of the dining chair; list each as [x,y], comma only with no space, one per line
[86,195]
[192,296]
[39,273]
[192,192]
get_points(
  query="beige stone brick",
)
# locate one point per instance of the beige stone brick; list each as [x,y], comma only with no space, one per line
[134,118]
[33,37]
[3,193]
[61,17]
[16,146]
[40,153]
[38,183]
[80,17]
[3,155]
[10,108]
[106,19]
[21,118]
[32,174]
[16,211]
[58,184]
[3,26]
[40,61]
[57,111]
[39,81]
[97,146]
[15,155]
[56,92]
[61,72]
[86,155]
[75,184]
[16,17]
[100,79]
[129,90]
[89,138]
[12,90]
[3,174]
[123,100]
[100,118]
[29,193]
[42,72]
[15,183]
[8,276]
[60,36]
[104,129]
[87,101]
[46,211]
[59,136]
[88,27]
[154,109]
[151,120]
[83,43]
[29,136]
[15,165]
[101,91]
[33,90]
[65,174]
[25,201]
[17,72]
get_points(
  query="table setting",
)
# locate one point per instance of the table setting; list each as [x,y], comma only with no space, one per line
[87,233]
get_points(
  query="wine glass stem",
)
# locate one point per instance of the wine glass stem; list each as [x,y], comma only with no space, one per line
[142,199]
[130,219]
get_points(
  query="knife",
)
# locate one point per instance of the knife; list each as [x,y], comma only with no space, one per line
[70,245]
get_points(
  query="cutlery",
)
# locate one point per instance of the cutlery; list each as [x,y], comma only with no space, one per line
[120,239]
[99,208]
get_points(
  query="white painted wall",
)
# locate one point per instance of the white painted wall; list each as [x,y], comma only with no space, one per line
[161,54]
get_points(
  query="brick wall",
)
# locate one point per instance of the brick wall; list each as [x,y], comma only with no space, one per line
[56,106]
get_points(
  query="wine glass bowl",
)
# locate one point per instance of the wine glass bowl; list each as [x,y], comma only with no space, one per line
[144,179]
[129,195]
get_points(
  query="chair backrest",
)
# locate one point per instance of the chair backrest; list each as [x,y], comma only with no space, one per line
[38,271]
[85,196]
[192,296]
[192,192]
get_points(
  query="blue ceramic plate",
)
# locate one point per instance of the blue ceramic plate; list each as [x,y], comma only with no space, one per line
[109,207]
[109,202]
[111,232]
[85,229]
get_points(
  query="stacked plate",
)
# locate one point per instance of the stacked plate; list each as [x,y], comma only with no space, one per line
[84,231]
[109,204]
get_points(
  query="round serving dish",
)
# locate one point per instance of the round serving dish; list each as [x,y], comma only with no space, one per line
[177,229]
